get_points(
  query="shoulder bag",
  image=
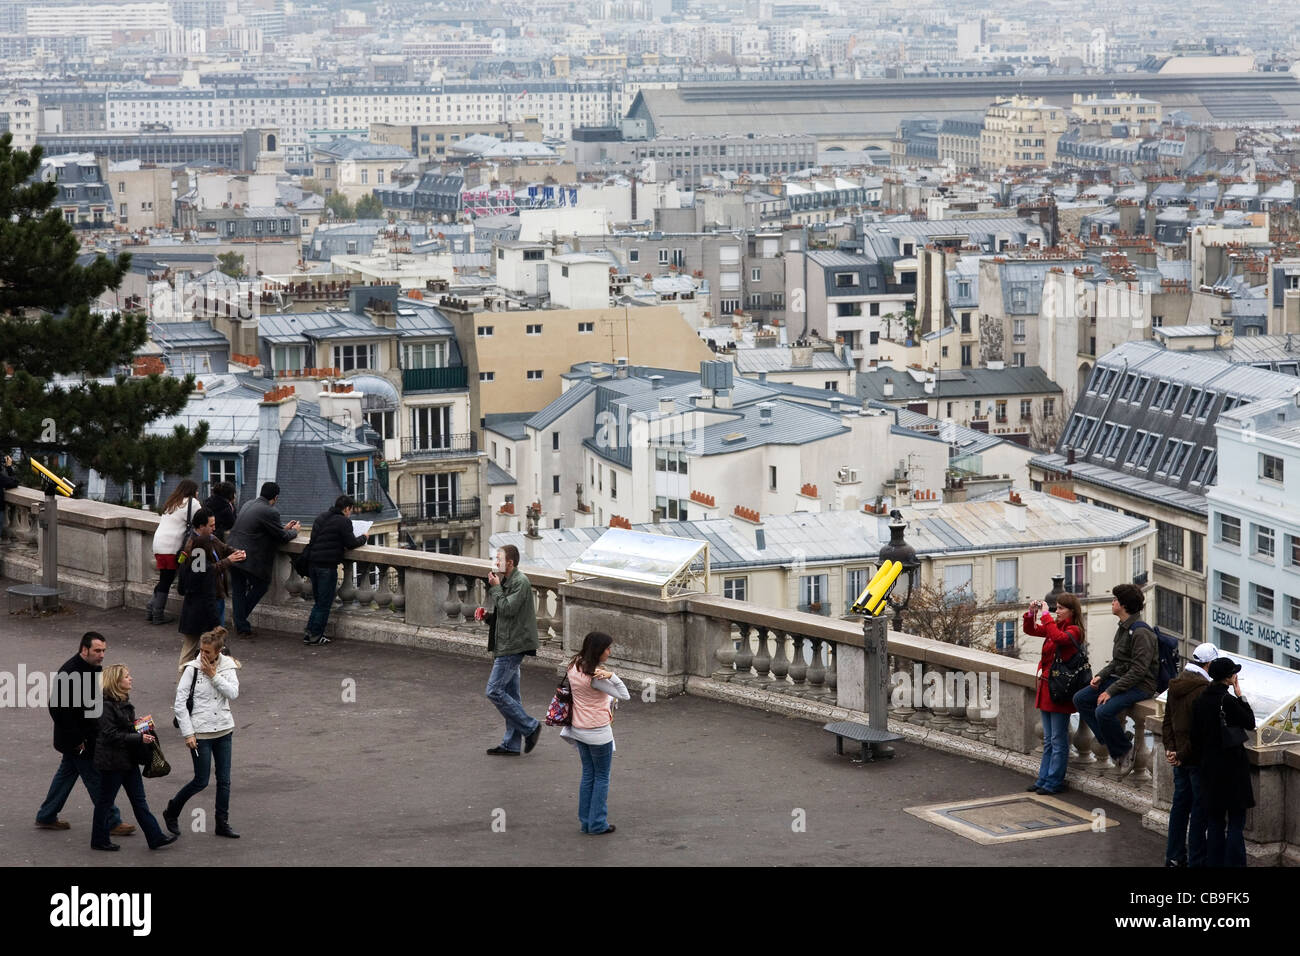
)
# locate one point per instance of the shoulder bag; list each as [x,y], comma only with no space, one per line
[1231,736]
[560,713]
[189,704]
[1067,678]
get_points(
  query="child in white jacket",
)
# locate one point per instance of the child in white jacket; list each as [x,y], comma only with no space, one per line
[207,686]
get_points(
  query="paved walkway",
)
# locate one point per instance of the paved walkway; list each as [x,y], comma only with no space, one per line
[400,776]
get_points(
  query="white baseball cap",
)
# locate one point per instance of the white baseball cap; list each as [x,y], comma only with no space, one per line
[1205,653]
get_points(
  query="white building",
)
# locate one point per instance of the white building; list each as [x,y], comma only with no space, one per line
[1254,512]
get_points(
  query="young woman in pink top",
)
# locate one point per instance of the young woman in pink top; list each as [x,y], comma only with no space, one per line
[594,689]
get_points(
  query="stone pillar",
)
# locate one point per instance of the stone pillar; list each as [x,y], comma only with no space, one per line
[1017,717]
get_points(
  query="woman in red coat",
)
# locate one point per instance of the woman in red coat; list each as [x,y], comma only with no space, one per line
[1064,637]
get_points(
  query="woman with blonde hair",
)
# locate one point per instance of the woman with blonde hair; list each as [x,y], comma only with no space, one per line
[173,526]
[120,749]
[591,730]
[208,684]
[1062,639]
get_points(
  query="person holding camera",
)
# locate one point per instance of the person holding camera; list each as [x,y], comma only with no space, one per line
[207,582]
[1221,725]
[1062,639]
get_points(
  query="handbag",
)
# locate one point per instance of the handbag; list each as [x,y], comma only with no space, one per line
[302,562]
[560,713]
[156,764]
[1067,678]
[1230,736]
[189,704]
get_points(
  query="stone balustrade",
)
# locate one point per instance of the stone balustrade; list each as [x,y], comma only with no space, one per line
[806,665]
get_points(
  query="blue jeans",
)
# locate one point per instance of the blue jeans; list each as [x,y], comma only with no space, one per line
[133,784]
[245,592]
[503,691]
[1104,720]
[1186,846]
[324,582]
[593,792]
[1225,843]
[1056,751]
[218,749]
[65,778]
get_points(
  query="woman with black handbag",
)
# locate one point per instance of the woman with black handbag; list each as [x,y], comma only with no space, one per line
[1063,654]
[120,749]
[1221,725]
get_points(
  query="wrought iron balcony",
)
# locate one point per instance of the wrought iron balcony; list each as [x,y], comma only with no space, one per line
[440,446]
[439,512]
[429,379]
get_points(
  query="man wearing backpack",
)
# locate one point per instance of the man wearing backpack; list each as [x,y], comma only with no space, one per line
[1128,678]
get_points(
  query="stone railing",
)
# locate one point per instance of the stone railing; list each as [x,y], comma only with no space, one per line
[957,699]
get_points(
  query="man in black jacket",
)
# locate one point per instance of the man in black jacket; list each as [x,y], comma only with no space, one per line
[74,735]
[331,535]
[258,532]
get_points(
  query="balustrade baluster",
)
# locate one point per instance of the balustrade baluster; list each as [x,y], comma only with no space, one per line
[1082,741]
[452,604]
[744,654]
[816,668]
[832,672]
[763,659]
[543,615]
[557,622]
[348,590]
[399,590]
[904,711]
[365,590]
[798,664]
[383,592]
[726,656]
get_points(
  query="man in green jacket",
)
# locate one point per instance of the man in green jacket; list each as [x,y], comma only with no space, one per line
[513,634]
[1128,678]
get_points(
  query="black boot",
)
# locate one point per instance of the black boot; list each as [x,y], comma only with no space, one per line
[223,829]
[158,610]
[171,819]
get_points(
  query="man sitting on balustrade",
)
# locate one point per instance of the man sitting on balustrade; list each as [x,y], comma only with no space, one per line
[1128,678]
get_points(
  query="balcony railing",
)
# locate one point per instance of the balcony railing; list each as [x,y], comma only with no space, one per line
[368,495]
[428,379]
[439,512]
[816,607]
[440,446]
[1140,578]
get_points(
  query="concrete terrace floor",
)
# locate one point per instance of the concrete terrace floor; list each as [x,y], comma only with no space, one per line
[400,776]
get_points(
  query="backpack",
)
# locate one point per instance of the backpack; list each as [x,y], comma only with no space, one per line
[182,560]
[1167,648]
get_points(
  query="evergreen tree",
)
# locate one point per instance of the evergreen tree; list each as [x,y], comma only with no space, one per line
[53,347]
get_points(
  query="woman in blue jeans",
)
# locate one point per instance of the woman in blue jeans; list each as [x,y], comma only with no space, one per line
[591,731]
[1063,638]
[208,684]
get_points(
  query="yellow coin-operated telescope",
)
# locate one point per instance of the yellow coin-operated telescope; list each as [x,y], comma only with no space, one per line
[51,482]
[872,599]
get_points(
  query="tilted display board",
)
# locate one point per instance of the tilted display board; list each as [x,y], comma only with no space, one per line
[674,565]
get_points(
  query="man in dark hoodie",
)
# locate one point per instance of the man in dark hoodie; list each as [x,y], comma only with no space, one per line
[7,480]
[331,535]
[74,738]
[1186,845]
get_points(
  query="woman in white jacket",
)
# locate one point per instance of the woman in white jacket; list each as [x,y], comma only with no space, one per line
[167,540]
[211,681]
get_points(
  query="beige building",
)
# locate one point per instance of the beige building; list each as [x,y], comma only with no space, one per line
[431,141]
[1021,132]
[1117,108]
[142,192]
[354,168]
[20,115]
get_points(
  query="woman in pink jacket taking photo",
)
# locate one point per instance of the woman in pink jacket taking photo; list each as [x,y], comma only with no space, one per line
[1062,636]
[594,690]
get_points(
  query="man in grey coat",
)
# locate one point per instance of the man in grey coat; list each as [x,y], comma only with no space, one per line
[259,533]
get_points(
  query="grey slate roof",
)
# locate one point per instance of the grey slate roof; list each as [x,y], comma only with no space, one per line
[508,424]
[779,359]
[189,334]
[957,383]
[496,475]
[573,396]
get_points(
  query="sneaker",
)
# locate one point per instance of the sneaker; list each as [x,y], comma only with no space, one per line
[1124,765]
[609,829]
[122,829]
[531,740]
[165,841]
[502,752]
[315,641]
[54,825]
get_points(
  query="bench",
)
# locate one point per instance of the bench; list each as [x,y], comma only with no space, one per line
[872,739]
[32,597]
